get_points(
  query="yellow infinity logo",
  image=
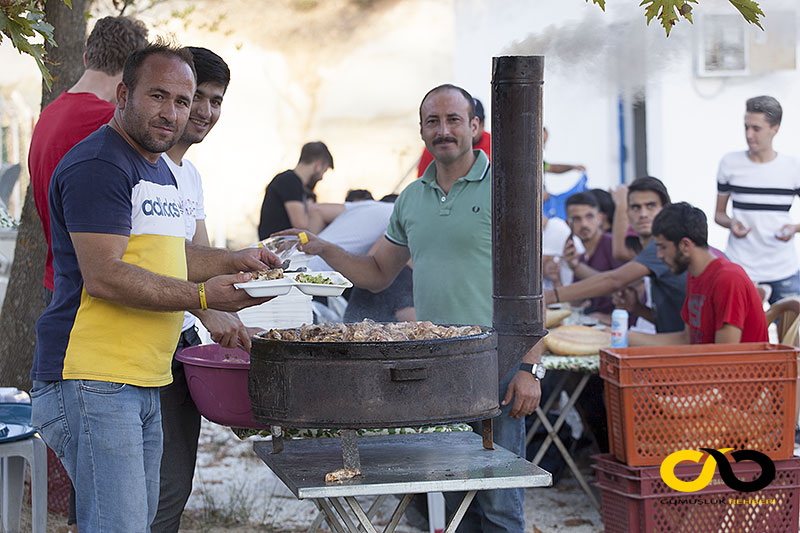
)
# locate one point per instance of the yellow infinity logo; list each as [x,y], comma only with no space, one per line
[671,461]
[715,458]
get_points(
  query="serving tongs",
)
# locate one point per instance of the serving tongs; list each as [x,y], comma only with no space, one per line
[285,267]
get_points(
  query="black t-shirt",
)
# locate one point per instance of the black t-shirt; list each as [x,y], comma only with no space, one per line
[285,187]
[382,306]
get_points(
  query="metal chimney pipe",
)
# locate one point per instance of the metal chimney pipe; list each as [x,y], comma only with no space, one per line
[517,206]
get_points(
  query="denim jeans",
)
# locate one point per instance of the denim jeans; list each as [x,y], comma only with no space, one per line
[784,287]
[496,511]
[108,436]
[71,517]
[180,422]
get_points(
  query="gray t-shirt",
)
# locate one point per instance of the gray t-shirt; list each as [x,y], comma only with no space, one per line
[669,290]
[355,230]
[381,306]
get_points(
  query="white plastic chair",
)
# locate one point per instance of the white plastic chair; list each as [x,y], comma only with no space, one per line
[14,454]
[788,311]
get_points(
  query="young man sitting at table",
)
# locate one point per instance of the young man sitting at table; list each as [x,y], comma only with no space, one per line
[647,196]
[585,220]
[722,304]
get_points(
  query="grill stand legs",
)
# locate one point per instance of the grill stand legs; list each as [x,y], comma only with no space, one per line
[277,438]
[488,434]
[350,455]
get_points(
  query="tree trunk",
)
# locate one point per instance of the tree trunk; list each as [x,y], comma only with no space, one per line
[24,300]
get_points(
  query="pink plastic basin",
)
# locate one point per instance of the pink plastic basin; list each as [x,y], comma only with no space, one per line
[217,379]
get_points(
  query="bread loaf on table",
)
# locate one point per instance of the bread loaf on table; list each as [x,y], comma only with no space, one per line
[577,340]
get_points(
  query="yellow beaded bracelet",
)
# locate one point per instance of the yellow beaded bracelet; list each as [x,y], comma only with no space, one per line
[202,288]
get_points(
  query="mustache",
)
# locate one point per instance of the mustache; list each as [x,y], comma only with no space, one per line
[441,140]
[164,124]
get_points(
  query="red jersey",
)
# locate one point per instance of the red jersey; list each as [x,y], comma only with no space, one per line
[68,120]
[723,294]
[484,144]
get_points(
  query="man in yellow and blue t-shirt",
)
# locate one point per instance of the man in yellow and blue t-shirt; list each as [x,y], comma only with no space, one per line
[123,275]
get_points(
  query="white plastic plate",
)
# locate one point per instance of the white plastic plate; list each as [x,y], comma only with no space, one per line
[340,283]
[266,288]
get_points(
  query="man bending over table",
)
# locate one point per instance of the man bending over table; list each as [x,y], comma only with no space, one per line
[722,304]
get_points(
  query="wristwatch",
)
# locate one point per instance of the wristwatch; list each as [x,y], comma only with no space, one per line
[537,369]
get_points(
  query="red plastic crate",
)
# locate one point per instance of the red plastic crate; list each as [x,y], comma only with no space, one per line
[58,485]
[636,500]
[661,399]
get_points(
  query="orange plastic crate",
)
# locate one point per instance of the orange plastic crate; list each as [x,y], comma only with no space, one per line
[661,399]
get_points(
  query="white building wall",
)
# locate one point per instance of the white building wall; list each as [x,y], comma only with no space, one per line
[591,58]
[580,119]
[692,122]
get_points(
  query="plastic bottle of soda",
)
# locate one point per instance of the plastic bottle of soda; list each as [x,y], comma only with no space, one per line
[619,328]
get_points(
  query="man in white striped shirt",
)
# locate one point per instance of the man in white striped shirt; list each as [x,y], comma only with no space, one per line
[761,184]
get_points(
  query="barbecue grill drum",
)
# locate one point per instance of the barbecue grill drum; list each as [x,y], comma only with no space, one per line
[374,384]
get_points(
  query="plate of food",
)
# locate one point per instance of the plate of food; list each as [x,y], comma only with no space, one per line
[327,283]
[266,283]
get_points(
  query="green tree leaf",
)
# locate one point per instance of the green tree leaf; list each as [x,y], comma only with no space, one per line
[668,11]
[749,10]
[23,22]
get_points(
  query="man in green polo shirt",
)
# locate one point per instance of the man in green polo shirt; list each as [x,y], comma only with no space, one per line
[443,223]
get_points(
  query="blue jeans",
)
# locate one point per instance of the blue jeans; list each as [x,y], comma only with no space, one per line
[108,436]
[784,287]
[180,423]
[502,510]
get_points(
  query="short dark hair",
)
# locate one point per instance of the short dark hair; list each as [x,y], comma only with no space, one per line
[768,105]
[583,198]
[449,86]
[316,151]
[606,202]
[130,73]
[210,67]
[354,195]
[112,40]
[479,112]
[649,183]
[680,220]
[390,198]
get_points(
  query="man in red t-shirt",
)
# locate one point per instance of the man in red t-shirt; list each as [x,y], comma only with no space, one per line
[481,141]
[79,111]
[722,304]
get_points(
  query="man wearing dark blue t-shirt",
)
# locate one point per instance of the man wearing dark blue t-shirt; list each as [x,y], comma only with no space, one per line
[123,275]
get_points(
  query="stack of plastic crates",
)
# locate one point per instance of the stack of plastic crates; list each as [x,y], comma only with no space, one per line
[664,399]
[636,500]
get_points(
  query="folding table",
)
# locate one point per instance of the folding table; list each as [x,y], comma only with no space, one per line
[585,366]
[397,464]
